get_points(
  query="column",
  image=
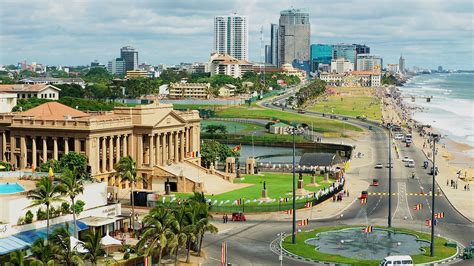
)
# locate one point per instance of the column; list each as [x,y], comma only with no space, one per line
[117,147]
[170,145]
[2,147]
[45,149]
[66,145]
[33,152]
[151,150]
[157,150]
[176,158]
[23,152]
[186,148]
[191,148]
[181,146]
[111,153]
[55,148]
[139,150]
[77,145]
[104,155]
[163,148]
[125,145]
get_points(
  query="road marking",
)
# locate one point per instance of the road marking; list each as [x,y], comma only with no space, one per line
[407,194]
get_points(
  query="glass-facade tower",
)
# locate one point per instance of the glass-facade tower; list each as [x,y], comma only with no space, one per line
[320,54]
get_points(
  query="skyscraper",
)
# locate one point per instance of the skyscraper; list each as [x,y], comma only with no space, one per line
[401,64]
[268,54]
[231,36]
[130,56]
[349,51]
[320,54]
[274,43]
[295,36]
[116,66]
[369,62]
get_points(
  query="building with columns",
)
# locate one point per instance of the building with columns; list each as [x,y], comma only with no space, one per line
[155,136]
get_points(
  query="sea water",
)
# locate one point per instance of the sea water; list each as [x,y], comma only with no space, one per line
[451,110]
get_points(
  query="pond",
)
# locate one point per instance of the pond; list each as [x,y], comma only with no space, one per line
[377,245]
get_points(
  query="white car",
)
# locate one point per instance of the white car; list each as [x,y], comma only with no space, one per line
[379,165]
[405,159]
[410,163]
[399,137]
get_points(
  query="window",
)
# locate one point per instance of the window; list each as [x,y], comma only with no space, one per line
[398,262]
[407,262]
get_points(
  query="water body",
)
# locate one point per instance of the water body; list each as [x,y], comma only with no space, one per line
[266,154]
[451,110]
[354,243]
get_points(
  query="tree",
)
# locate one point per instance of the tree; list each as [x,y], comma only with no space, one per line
[53,164]
[42,252]
[213,129]
[71,186]
[64,252]
[180,214]
[71,90]
[93,246]
[17,257]
[97,74]
[45,193]
[96,91]
[126,170]
[201,218]
[76,163]
[212,151]
[157,232]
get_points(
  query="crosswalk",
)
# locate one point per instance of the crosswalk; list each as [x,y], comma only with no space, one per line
[396,194]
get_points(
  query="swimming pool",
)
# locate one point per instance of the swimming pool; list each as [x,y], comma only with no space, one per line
[10,188]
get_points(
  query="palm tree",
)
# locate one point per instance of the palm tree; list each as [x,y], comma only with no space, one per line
[180,215]
[93,246]
[71,186]
[42,253]
[17,257]
[158,233]
[126,170]
[45,194]
[201,218]
[62,248]
[202,227]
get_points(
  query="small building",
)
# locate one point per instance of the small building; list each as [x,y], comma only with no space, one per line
[332,79]
[181,90]
[26,91]
[137,74]
[7,101]
[53,81]
[289,70]
[227,90]
[279,128]
[224,64]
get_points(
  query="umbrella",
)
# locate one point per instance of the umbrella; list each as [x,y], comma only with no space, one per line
[109,241]
[77,245]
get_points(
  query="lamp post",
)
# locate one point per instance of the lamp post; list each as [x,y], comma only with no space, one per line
[434,138]
[296,130]
[390,176]
[280,257]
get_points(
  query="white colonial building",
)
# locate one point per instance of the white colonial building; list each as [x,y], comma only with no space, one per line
[26,91]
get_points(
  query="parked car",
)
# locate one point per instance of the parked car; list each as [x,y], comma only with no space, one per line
[379,165]
[405,159]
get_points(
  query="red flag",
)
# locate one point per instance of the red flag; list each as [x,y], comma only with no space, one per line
[236,148]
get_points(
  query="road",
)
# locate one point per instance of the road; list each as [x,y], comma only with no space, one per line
[249,244]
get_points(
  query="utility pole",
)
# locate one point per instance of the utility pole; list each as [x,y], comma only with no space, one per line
[434,138]
[293,235]
[390,176]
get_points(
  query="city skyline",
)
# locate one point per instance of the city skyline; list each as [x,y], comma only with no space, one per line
[182,31]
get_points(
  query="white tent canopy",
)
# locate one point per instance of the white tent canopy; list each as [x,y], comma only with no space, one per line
[77,245]
[110,241]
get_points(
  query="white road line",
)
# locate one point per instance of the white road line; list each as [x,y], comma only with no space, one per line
[400,192]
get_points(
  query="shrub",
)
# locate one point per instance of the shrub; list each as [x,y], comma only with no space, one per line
[28,217]
[65,208]
[20,221]
[40,214]
[126,256]
[79,206]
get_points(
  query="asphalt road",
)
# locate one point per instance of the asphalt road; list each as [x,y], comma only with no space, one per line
[250,244]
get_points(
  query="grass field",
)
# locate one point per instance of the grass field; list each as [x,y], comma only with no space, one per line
[279,185]
[234,127]
[319,124]
[308,251]
[350,102]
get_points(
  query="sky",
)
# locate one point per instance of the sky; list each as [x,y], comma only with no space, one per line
[428,33]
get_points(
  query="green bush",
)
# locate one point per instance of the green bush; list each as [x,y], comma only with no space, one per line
[6,165]
[79,206]
[28,217]
[40,214]
[21,220]
[65,208]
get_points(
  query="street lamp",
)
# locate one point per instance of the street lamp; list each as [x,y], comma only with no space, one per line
[294,130]
[390,176]
[434,138]
[280,258]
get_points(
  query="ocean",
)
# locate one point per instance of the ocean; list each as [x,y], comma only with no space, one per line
[451,110]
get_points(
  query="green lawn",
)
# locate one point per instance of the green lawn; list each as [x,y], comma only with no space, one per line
[308,251]
[279,185]
[350,102]
[234,127]
[319,124]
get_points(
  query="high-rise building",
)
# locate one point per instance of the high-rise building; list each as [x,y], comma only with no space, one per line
[295,36]
[268,54]
[274,43]
[341,65]
[130,56]
[116,66]
[320,54]
[231,36]
[401,64]
[368,62]
[349,51]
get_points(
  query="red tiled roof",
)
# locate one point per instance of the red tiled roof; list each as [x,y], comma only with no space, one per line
[54,111]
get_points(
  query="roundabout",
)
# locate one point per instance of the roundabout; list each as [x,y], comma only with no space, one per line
[351,245]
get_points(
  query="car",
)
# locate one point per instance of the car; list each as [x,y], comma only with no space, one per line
[333,117]
[375,182]
[405,159]
[345,118]
[301,111]
[364,194]
[379,165]
[238,216]
[397,260]
[410,163]
[399,137]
